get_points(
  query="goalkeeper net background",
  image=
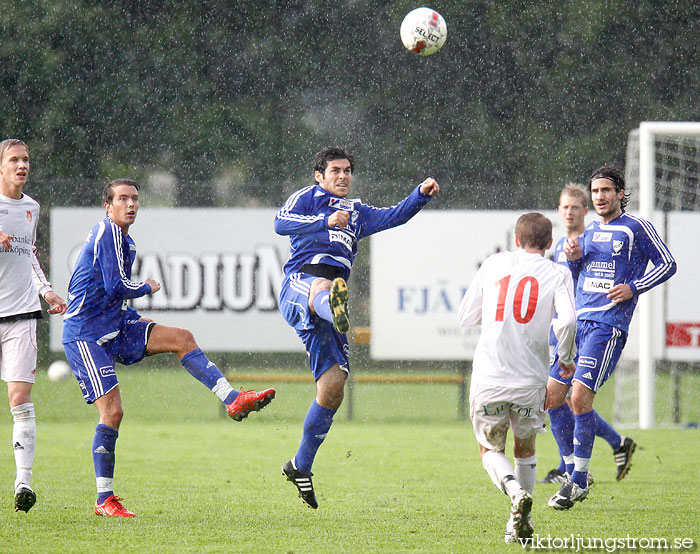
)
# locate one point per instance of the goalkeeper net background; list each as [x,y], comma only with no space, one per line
[661,173]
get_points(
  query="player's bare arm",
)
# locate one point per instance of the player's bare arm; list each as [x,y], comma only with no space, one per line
[429,187]
[58,304]
[573,249]
[620,293]
[155,285]
[5,240]
[339,219]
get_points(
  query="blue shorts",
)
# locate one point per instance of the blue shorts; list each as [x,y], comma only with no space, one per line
[325,347]
[555,368]
[599,349]
[323,343]
[93,364]
[294,301]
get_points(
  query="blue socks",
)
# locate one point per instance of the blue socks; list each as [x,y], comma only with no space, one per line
[206,372]
[103,445]
[605,431]
[584,435]
[317,423]
[561,420]
[322,305]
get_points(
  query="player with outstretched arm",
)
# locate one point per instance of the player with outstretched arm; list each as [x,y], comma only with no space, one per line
[513,297]
[21,283]
[101,329]
[324,226]
[609,265]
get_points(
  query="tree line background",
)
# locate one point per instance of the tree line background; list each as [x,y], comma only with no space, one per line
[219,103]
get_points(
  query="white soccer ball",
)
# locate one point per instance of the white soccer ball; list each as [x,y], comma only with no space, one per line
[59,370]
[423,31]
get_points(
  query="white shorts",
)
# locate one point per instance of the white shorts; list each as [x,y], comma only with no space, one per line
[18,350]
[493,409]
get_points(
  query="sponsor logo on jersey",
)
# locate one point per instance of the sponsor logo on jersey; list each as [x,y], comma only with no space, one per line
[601,266]
[107,370]
[592,284]
[342,237]
[587,361]
[341,204]
[4,212]
[599,236]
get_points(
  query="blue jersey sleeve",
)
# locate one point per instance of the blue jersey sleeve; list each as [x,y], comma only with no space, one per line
[112,259]
[380,219]
[658,254]
[297,216]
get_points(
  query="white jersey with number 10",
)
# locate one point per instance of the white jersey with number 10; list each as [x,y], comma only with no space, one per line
[514,296]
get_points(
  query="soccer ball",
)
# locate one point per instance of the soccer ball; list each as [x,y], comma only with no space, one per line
[423,31]
[59,370]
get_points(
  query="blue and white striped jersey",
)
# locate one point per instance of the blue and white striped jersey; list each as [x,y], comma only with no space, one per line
[101,284]
[558,256]
[304,217]
[615,253]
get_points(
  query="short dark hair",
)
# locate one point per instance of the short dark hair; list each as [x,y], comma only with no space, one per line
[331,153]
[108,192]
[534,230]
[613,174]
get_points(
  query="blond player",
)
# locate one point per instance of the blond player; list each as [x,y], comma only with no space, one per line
[21,283]
[513,297]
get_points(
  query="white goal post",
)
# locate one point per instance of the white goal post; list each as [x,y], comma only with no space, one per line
[649,132]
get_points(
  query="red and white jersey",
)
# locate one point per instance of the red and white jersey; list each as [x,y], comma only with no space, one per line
[21,277]
[514,296]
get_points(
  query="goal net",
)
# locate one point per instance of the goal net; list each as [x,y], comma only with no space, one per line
[662,172]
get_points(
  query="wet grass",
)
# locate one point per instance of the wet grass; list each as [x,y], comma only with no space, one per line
[403,476]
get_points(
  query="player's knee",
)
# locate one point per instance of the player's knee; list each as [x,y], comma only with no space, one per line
[112,416]
[331,396]
[184,341]
[555,401]
[317,286]
[581,403]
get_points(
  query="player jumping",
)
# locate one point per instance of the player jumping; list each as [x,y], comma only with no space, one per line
[324,226]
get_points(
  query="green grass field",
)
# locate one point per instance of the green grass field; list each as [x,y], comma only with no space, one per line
[403,476]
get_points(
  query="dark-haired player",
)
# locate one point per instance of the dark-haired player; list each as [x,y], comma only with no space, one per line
[100,329]
[324,226]
[609,266]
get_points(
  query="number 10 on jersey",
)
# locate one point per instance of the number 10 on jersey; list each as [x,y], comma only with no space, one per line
[518,297]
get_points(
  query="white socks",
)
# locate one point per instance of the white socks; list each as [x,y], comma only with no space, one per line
[24,441]
[526,472]
[501,472]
